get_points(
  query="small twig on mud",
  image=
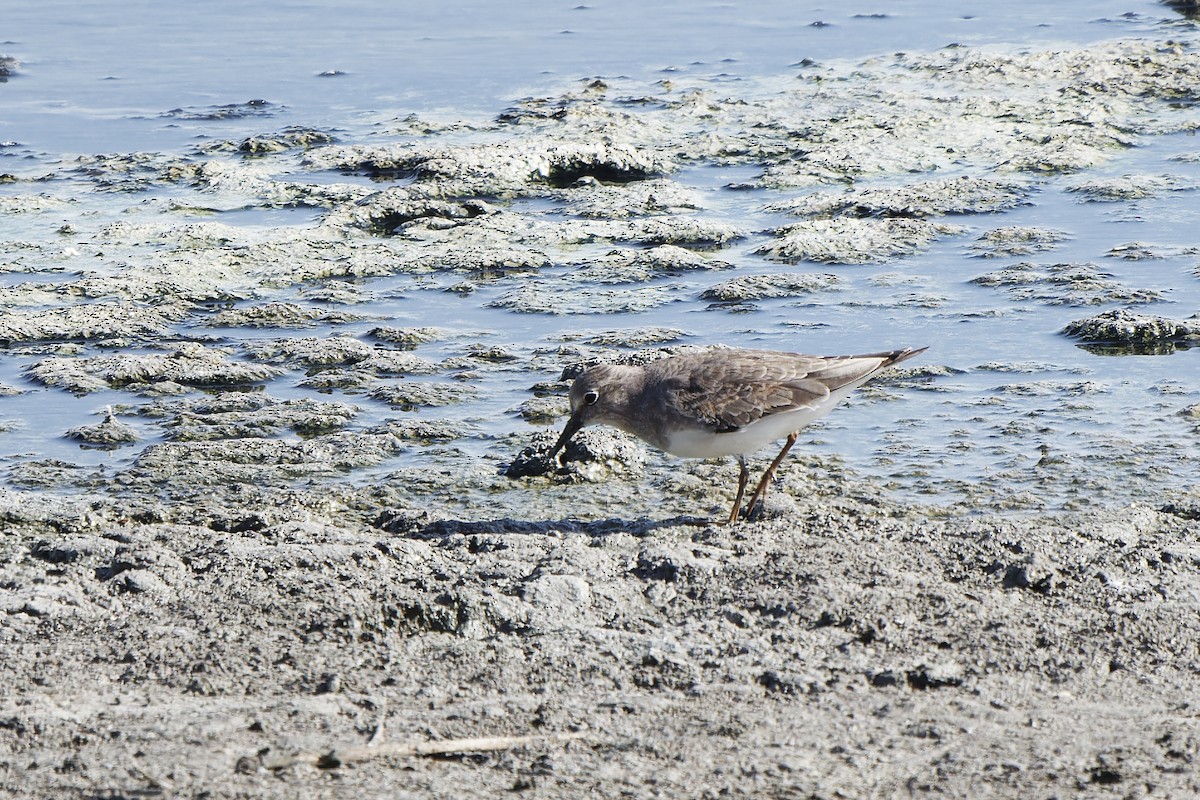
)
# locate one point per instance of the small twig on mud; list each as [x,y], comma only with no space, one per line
[345,755]
[377,736]
[156,784]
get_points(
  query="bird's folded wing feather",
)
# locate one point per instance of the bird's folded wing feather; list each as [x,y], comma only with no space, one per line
[732,392]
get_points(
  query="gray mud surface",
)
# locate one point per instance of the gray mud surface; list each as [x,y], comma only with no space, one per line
[843,649]
[303,568]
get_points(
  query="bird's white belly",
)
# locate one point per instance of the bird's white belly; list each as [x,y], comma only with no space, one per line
[699,443]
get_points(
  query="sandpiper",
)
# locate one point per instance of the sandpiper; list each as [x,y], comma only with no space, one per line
[720,402]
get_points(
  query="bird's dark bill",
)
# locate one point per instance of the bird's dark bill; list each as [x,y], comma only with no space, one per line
[573,426]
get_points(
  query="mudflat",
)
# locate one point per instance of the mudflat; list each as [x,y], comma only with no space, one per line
[843,648]
[283,551]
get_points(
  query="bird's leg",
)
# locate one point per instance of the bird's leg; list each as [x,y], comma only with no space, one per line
[743,479]
[761,491]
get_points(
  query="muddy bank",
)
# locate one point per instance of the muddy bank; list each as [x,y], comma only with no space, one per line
[848,648]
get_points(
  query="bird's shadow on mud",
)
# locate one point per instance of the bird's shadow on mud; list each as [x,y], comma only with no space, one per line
[416,528]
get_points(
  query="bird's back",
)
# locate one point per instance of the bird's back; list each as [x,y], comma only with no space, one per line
[733,401]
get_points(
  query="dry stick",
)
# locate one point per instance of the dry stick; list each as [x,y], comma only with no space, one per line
[377,737]
[346,755]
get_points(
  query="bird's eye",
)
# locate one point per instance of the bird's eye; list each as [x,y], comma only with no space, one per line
[591,397]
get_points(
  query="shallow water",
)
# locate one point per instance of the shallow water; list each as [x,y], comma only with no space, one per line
[98,79]
[1050,426]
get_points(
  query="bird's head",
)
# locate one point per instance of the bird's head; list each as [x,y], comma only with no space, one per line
[597,396]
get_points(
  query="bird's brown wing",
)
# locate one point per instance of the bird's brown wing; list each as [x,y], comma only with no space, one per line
[729,389]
